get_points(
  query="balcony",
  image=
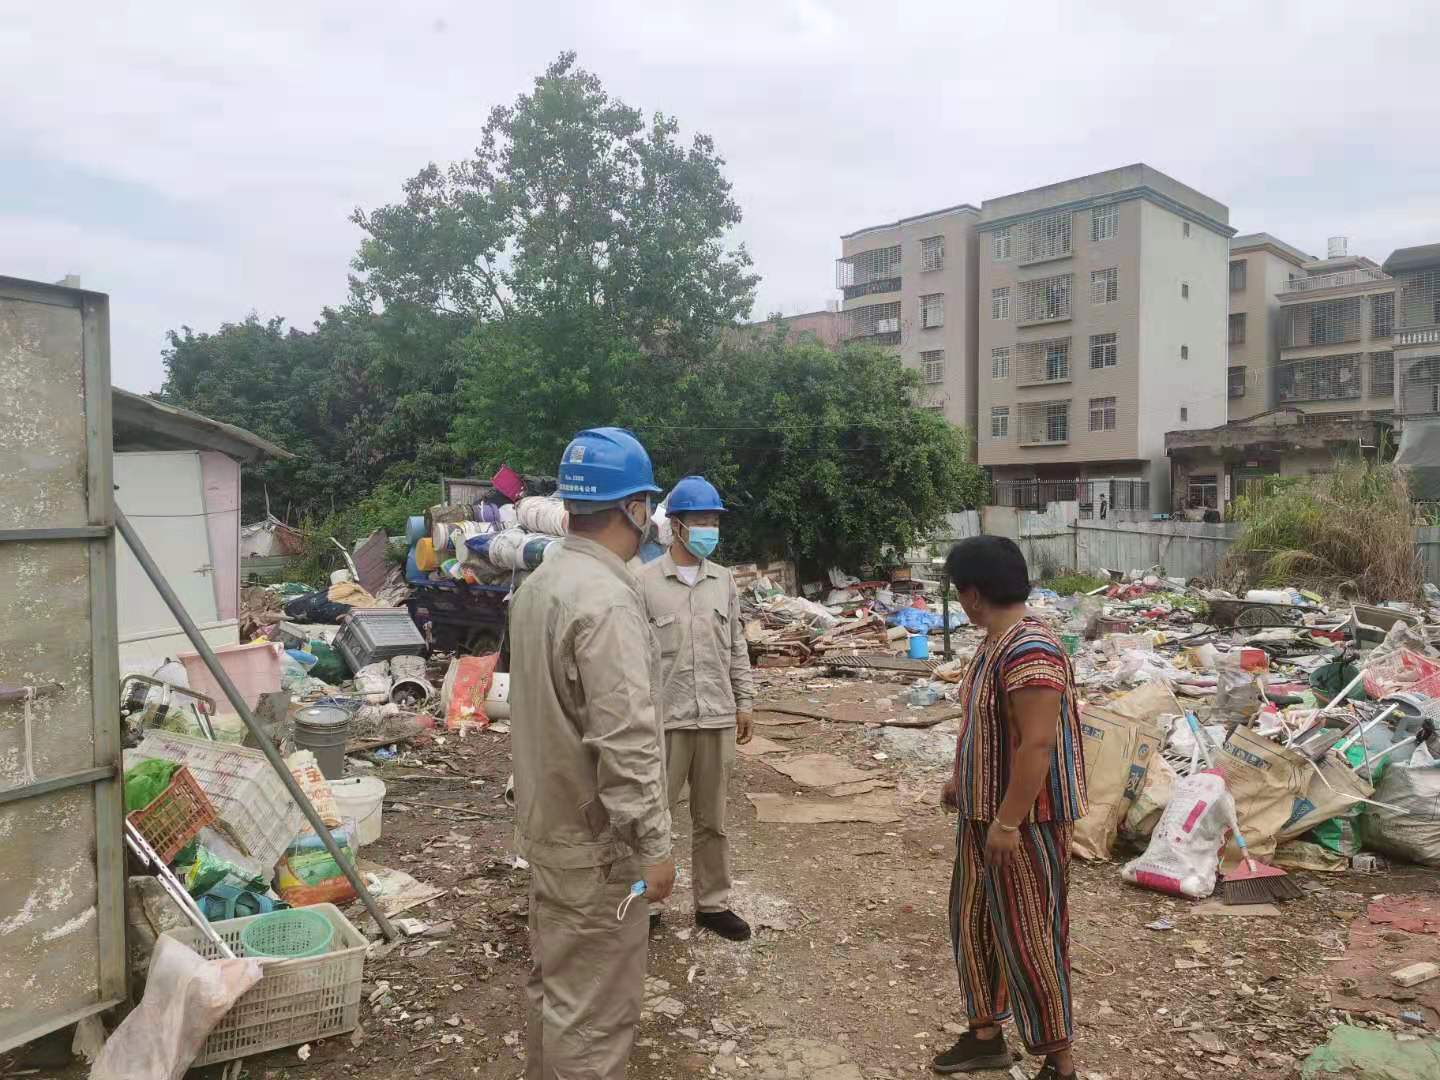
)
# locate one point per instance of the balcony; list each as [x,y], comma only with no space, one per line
[1044,300]
[869,272]
[1043,238]
[1412,336]
[1418,393]
[1337,280]
[1323,378]
[874,324]
[1045,423]
[1042,363]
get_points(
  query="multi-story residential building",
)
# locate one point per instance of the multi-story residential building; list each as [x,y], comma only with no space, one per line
[1260,268]
[1336,319]
[911,285]
[1416,341]
[1103,304]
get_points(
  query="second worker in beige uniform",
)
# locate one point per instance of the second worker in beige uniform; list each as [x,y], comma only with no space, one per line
[708,692]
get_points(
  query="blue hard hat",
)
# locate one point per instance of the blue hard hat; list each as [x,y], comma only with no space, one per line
[603,465]
[693,493]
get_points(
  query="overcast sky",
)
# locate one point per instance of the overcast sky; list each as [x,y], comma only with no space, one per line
[198,162]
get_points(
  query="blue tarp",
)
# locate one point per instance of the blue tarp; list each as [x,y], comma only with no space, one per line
[925,622]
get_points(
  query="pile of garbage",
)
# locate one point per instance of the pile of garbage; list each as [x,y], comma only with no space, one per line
[856,617]
[1314,720]
[494,541]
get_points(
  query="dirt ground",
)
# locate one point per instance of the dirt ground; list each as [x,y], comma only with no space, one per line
[849,975]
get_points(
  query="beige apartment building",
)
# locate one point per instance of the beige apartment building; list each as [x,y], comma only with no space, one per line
[1103,305]
[910,285]
[1260,268]
[1337,318]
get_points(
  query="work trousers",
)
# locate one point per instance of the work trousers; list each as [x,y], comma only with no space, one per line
[1010,929]
[704,758]
[587,971]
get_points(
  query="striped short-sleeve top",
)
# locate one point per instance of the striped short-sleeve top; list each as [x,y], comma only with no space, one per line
[1025,656]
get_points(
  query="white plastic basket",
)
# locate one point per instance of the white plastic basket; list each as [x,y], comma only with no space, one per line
[249,797]
[295,1001]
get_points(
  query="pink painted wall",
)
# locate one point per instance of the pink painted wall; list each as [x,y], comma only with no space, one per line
[220,476]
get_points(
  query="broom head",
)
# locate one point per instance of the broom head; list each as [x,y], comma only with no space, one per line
[1256,883]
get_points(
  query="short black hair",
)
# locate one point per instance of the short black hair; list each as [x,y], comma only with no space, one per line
[993,566]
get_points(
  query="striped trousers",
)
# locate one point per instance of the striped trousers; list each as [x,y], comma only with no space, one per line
[1010,930]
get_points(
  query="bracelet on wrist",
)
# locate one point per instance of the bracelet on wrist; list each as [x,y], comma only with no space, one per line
[1006,828]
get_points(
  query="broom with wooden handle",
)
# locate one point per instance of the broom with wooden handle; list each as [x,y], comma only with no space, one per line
[1252,882]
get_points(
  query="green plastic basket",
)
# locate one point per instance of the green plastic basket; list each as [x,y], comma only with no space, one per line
[287,934]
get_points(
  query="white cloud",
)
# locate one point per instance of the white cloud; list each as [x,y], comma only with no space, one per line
[262,125]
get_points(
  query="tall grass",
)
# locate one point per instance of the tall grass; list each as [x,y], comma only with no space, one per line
[1348,532]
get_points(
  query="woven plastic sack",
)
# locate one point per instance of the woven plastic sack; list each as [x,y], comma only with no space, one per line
[1183,858]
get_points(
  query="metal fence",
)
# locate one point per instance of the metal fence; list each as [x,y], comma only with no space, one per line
[1092,495]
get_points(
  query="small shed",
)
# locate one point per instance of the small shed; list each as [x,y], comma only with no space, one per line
[177,477]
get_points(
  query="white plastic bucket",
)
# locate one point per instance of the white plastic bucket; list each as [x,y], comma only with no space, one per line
[361,798]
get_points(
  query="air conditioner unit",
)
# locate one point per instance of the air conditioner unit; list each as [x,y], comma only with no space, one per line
[887,326]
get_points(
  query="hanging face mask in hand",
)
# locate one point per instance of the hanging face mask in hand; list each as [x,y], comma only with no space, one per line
[701,540]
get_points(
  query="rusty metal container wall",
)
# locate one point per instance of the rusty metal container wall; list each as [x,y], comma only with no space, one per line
[61,854]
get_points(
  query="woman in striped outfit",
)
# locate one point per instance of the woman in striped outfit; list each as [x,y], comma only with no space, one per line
[1019,785]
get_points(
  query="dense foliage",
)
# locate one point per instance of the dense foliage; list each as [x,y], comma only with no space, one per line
[574,272]
[1350,530]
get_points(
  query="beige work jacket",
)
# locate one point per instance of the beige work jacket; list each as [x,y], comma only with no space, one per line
[585,732]
[704,661]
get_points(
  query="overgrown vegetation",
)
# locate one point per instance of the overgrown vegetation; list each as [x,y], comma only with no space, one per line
[1350,531]
[1070,584]
[575,272]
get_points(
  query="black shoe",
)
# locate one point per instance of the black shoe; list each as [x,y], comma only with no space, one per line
[1049,1072]
[655,922]
[971,1053]
[725,923]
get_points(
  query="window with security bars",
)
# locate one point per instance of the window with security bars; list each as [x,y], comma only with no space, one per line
[1322,378]
[1000,303]
[1324,322]
[1419,388]
[1237,382]
[1104,286]
[1000,362]
[1203,491]
[1039,362]
[874,320]
[1104,222]
[1417,300]
[864,267]
[1382,374]
[1102,414]
[1104,352]
[1382,315]
[932,253]
[1237,275]
[932,311]
[1044,423]
[932,363]
[1043,300]
[1000,422]
[1045,236]
[1237,328]
[1001,245]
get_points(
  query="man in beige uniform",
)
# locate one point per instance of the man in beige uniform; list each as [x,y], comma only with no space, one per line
[708,689]
[591,809]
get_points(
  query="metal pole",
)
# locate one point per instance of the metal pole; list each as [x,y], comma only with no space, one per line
[945,612]
[267,747]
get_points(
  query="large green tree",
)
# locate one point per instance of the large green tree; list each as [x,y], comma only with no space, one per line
[362,397]
[574,208]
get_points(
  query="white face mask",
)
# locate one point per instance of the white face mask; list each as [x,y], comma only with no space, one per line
[645,527]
